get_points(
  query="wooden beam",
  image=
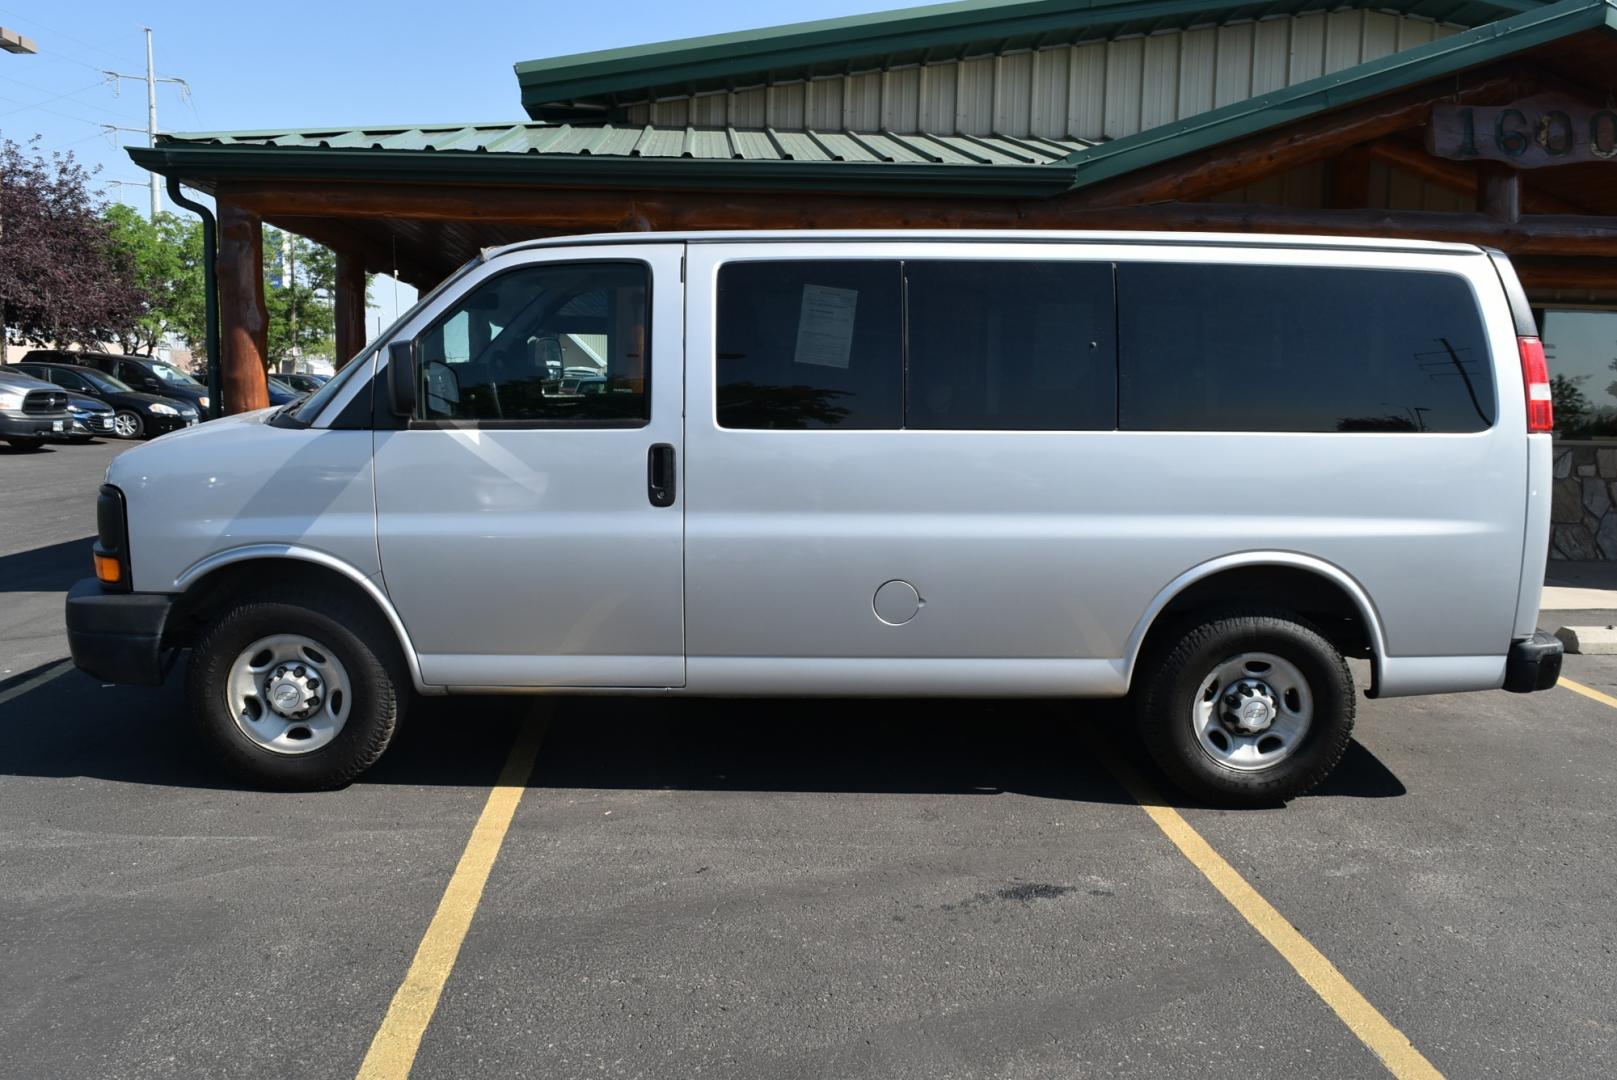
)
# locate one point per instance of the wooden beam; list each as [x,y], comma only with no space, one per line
[243,317]
[1415,160]
[1241,161]
[378,255]
[350,305]
[582,211]
[1599,275]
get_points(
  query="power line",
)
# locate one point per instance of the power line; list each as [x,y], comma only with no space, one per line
[59,97]
[25,106]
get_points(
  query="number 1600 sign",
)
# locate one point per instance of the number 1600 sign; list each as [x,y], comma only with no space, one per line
[1528,134]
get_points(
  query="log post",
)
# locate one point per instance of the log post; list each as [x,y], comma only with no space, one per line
[350,302]
[1499,195]
[243,317]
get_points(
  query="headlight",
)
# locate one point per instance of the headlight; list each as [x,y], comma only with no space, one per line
[160,409]
[203,401]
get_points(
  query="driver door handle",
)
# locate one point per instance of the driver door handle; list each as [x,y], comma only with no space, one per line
[661,475]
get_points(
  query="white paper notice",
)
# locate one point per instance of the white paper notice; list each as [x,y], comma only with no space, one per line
[825,327]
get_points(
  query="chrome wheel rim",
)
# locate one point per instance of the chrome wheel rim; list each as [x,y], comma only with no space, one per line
[125,425]
[289,694]
[1252,711]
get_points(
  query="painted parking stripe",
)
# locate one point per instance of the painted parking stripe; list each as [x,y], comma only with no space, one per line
[37,681]
[1374,1030]
[393,1050]
[1588,691]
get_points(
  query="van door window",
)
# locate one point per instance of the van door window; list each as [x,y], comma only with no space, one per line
[1010,345]
[553,343]
[1296,348]
[810,344]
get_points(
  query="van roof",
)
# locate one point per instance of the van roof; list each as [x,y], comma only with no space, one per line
[1024,236]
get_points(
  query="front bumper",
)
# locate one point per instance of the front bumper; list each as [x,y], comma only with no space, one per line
[1533,664]
[158,424]
[34,425]
[89,425]
[118,637]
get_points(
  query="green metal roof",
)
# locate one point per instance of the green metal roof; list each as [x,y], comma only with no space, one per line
[1445,56]
[636,156]
[595,83]
[650,157]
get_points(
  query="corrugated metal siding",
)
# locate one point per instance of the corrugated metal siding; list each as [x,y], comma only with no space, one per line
[1092,91]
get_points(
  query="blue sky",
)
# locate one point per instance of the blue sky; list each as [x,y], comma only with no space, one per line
[300,63]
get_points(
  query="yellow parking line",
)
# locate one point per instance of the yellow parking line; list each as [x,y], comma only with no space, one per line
[393,1050]
[1389,1044]
[1588,691]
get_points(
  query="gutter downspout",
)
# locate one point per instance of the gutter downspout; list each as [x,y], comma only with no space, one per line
[210,284]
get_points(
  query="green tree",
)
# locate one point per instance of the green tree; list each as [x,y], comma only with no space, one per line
[152,252]
[302,311]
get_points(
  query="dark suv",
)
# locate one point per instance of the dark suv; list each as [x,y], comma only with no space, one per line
[146,374]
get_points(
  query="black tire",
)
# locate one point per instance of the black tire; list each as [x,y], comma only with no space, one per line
[137,424]
[23,442]
[354,634]
[1171,679]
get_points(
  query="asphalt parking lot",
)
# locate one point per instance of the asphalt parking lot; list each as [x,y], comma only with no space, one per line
[782,889]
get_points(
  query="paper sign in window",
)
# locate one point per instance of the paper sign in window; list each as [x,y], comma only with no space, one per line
[825,326]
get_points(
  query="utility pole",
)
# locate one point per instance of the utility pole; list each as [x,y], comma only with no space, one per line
[152,80]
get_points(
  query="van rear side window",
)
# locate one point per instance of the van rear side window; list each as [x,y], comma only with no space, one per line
[1300,349]
[1013,345]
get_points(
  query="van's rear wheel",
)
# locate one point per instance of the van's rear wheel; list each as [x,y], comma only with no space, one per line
[295,692]
[1246,707]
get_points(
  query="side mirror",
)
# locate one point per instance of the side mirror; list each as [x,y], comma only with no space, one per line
[401,380]
[153,385]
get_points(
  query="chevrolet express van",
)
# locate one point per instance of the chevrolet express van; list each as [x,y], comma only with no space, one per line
[1198,471]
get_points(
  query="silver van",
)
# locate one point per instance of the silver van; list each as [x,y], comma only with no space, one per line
[1199,471]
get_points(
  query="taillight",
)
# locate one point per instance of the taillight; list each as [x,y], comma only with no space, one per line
[1536,375]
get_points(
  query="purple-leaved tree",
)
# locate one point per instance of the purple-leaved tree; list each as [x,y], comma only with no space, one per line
[61,280]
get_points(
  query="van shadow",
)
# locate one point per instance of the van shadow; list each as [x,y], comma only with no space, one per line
[72,726]
[54,568]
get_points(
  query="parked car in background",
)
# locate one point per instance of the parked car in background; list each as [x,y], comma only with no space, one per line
[137,415]
[31,411]
[303,382]
[281,393]
[146,374]
[92,417]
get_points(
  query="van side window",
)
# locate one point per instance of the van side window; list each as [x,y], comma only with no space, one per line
[1301,349]
[810,344]
[552,343]
[1010,345]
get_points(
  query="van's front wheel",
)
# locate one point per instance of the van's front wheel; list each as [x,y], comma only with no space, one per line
[1246,707]
[294,692]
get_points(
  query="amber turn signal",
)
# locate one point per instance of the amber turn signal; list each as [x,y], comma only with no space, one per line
[108,570]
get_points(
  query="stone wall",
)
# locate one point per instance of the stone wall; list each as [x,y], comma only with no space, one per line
[1583,512]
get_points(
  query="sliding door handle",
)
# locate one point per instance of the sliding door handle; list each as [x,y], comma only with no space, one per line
[661,475]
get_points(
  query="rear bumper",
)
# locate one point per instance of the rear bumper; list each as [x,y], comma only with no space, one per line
[118,637]
[1533,664]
